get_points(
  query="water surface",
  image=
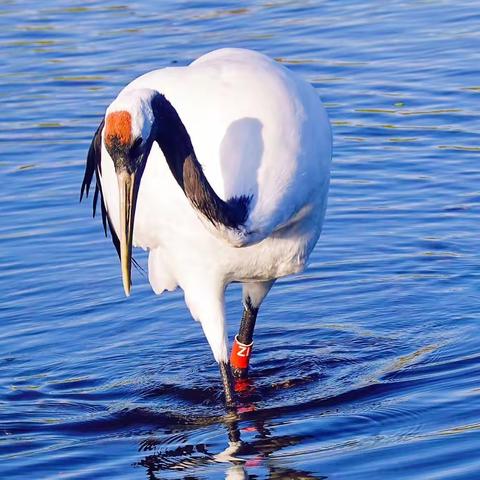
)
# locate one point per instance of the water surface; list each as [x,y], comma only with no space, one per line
[366,366]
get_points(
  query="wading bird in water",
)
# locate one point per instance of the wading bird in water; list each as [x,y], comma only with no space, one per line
[221,170]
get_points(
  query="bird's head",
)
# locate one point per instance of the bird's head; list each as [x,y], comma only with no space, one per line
[128,136]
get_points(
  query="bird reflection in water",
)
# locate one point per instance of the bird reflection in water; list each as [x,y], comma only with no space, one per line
[240,456]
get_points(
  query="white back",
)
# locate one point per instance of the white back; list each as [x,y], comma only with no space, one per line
[256,129]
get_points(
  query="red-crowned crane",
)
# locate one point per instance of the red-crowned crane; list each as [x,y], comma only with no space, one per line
[221,170]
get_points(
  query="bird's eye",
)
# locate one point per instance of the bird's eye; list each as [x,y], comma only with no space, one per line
[137,143]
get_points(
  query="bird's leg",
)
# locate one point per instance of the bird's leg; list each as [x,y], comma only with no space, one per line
[243,343]
[253,295]
[206,303]
[227,380]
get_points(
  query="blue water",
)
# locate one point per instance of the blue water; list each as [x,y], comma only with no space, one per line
[366,366]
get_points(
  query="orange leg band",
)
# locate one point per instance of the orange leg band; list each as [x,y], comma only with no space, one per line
[240,356]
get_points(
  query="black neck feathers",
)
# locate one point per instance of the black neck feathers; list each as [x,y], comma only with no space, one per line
[175,143]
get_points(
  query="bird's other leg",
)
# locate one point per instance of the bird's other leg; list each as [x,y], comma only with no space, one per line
[207,306]
[253,295]
[227,380]
[243,342]
[214,329]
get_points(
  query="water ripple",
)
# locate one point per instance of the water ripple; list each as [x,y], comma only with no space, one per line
[365,366]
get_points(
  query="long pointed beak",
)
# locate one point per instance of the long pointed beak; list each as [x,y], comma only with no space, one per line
[126,186]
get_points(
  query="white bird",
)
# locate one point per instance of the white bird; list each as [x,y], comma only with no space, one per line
[221,170]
